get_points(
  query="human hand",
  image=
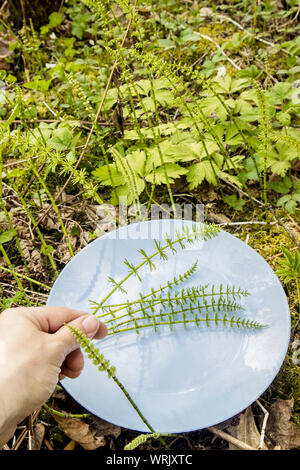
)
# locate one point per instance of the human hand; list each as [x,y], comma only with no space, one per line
[38,350]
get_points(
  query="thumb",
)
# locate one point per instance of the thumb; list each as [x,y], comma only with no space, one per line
[88,324]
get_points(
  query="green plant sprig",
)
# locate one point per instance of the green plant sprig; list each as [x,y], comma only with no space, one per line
[104,365]
[197,233]
[182,298]
[142,438]
[143,298]
[233,321]
[214,306]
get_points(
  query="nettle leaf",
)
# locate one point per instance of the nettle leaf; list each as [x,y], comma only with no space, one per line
[200,171]
[235,202]
[251,72]
[284,117]
[180,152]
[280,91]
[162,129]
[137,161]
[230,178]
[230,85]
[212,105]
[125,191]
[296,197]
[110,99]
[279,167]
[173,171]
[281,187]
[155,155]
[164,97]
[279,158]
[233,163]
[249,95]
[148,104]
[199,150]
[290,206]
[109,175]
[232,135]
[243,107]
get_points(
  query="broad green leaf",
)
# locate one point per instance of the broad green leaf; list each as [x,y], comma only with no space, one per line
[200,171]
[235,202]
[108,175]
[172,169]
[6,236]
[137,161]
[291,206]
[281,187]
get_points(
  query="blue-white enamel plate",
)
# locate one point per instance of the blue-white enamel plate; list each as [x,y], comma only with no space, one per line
[190,378]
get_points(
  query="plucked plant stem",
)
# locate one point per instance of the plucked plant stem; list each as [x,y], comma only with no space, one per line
[142,438]
[148,297]
[181,300]
[65,415]
[104,365]
[203,232]
[207,321]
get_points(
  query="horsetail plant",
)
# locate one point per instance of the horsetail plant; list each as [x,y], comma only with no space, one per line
[197,306]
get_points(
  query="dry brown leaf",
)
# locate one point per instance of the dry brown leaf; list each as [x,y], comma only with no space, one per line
[89,435]
[280,429]
[245,430]
[218,218]
[205,11]
[80,432]
[38,436]
[71,445]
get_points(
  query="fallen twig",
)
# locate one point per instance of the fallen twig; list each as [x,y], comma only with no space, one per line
[232,440]
[263,429]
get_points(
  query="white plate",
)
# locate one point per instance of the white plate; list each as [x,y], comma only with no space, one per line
[190,378]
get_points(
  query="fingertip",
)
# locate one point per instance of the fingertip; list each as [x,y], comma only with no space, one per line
[102,331]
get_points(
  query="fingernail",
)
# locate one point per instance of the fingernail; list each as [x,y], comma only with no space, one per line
[90,326]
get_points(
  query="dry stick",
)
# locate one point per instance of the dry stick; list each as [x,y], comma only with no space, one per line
[29,427]
[280,254]
[232,440]
[263,429]
[25,430]
[94,123]
[208,38]
[262,204]
[3,6]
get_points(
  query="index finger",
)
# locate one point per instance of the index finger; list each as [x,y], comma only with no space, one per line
[50,319]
